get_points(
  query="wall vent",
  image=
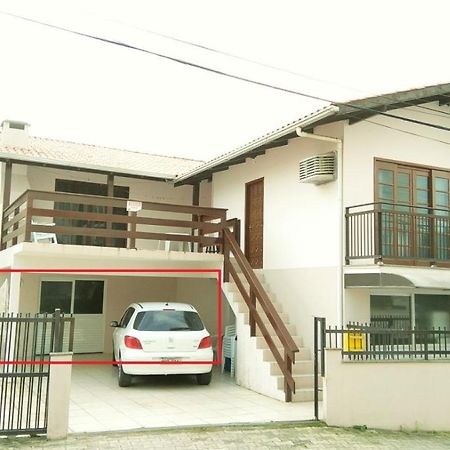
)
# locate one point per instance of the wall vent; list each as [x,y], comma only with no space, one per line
[318,169]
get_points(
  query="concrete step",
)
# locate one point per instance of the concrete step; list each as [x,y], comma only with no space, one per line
[304,354]
[302,381]
[290,327]
[305,395]
[297,369]
[261,342]
[301,367]
[283,316]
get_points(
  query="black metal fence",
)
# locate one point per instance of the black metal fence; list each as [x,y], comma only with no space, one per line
[25,344]
[369,342]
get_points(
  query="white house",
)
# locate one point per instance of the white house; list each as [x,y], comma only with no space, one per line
[344,215]
[55,195]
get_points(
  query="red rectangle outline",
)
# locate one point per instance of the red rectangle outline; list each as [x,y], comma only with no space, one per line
[99,362]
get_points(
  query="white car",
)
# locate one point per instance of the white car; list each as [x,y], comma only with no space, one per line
[163,334]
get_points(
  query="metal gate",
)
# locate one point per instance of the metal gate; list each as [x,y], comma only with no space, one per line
[25,344]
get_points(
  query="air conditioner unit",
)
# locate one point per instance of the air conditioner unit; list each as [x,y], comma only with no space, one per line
[318,169]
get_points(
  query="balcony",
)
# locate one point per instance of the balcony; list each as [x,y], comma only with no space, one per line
[397,234]
[93,220]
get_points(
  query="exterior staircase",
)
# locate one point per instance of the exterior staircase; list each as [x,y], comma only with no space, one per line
[256,368]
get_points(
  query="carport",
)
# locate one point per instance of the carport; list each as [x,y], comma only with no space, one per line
[99,404]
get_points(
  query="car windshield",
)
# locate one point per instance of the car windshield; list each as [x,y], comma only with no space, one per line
[168,320]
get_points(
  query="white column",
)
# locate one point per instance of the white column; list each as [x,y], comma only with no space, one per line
[14,292]
[59,395]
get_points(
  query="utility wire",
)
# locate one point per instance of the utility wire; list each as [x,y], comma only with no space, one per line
[407,132]
[268,66]
[226,74]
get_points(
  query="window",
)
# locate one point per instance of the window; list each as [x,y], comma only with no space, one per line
[390,311]
[168,320]
[126,317]
[78,297]
[56,294]
[82,187]
[415,205]
[88,297]
[432,311]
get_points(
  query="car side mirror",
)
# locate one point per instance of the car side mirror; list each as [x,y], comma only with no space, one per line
[114,324]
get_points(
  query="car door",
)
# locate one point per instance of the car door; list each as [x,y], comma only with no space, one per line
[119,332]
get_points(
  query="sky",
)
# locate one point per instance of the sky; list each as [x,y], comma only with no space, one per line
[79,89]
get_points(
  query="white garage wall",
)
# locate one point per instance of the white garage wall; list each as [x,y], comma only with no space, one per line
[120,291]
[202,294]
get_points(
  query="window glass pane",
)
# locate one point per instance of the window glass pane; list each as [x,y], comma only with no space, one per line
[385,192]
[126,317]
[422,197]
[168,320]
[403,179]
[442,199]
[88,297]
[55,294]
[390,311]
[432,311]
[386,176]
[421,182]
[403,195]
[441,184]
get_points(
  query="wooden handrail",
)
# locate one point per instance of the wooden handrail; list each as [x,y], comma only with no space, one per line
[259,294]
[98,200]
[18,220]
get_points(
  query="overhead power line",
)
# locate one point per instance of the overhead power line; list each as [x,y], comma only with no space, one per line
[226,74]
[269,66]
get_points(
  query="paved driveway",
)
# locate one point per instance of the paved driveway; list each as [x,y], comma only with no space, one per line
[243,437]
[99,404]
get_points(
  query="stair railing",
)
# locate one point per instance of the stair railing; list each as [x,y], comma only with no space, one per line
[257,296]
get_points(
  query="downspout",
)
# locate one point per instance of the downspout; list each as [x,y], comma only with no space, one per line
[340,187]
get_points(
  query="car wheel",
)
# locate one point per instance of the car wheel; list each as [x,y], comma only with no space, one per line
[124,378]
[204,378]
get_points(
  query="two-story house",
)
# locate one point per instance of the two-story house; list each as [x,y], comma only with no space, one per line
[344,215]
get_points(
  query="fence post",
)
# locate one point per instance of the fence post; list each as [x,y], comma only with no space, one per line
[347,236]
[58,331]
[59,395]
[319,346]
[316,368]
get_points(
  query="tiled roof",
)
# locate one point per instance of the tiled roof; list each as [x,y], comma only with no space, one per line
[94,157]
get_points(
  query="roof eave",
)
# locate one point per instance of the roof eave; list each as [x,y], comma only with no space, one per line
[203,171]
[82,167]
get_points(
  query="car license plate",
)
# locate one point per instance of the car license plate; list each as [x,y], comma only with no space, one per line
[170,359]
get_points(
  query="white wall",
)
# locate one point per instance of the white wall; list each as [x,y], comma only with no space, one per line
[300,220]
[364,141]
[394,395]
[304,294]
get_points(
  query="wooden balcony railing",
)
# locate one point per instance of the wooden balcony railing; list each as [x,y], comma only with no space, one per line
[99,216]
[259,305]
[398,234]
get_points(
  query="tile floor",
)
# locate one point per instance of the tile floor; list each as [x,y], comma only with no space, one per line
[99,404]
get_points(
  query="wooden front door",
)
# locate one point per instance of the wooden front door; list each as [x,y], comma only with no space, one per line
[254,221]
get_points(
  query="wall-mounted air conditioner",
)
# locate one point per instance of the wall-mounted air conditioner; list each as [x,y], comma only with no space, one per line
[318,169]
